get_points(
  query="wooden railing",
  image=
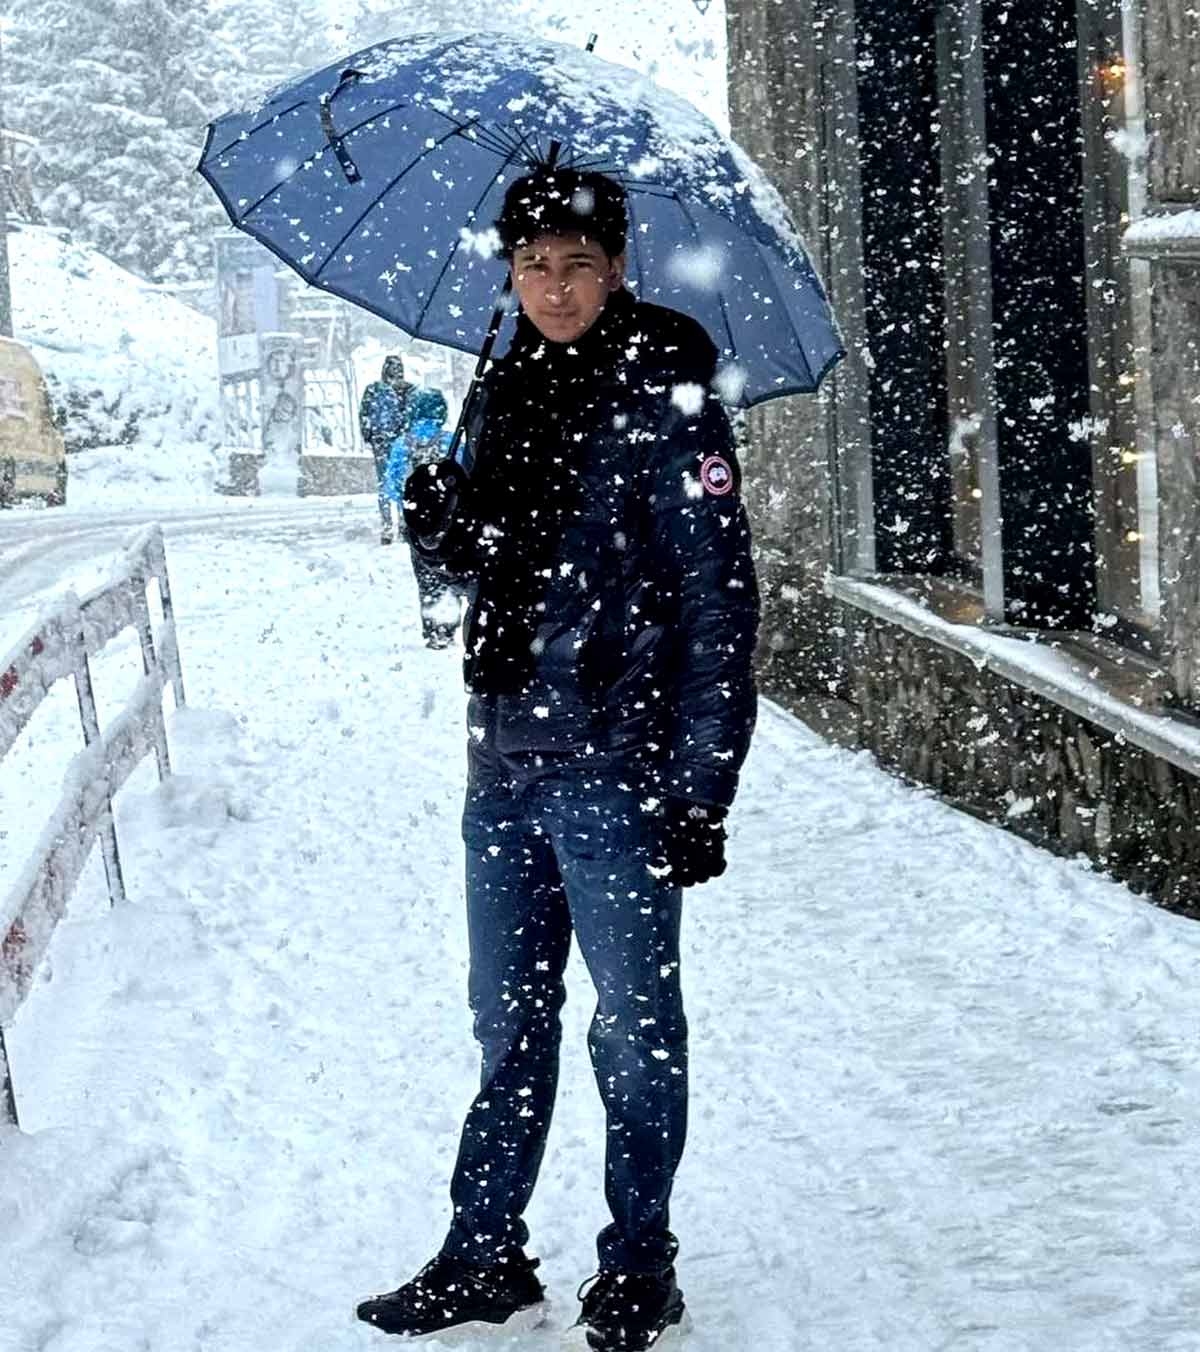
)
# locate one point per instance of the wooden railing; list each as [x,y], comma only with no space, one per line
[58,647]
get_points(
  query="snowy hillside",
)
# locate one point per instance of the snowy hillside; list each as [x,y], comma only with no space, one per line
[131,367]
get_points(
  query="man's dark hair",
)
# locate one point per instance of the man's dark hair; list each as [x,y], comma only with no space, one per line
[393,368]
[563,202]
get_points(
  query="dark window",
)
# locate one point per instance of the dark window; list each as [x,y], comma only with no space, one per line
[905,307]
[996,307]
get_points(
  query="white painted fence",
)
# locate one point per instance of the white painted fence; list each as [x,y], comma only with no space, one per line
[58,647]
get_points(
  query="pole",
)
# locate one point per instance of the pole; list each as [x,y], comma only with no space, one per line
[6,321]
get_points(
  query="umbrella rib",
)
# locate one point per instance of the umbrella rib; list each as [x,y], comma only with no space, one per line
[457,129]
[514,142]
[645,189]
[633,234]
[498,145]
[765,259]
[305,103]
[454,250]
[687,216]
[316,155]
[506,144]
[499,139]
[245,136]
[532,156]
[312,159]
[408,168]
[596,166]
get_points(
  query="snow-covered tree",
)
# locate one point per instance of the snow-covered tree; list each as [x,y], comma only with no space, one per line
[260,43]
[117,93]
[370,21]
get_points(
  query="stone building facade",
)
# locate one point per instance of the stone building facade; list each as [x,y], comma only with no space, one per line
[980,544]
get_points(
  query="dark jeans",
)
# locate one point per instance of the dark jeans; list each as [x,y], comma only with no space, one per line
[550,853]
[381,458]
[432,586]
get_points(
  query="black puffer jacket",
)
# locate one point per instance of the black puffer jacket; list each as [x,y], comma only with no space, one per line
[613,598]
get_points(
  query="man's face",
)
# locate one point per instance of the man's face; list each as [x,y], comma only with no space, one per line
[563,282]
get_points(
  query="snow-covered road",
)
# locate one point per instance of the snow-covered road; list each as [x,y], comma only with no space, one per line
[945,1086]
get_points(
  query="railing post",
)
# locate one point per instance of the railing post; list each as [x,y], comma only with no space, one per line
[145,629]
[8,1097]
[91,737]
[174,665]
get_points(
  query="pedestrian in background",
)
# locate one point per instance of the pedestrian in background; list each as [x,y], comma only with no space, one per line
[382,416]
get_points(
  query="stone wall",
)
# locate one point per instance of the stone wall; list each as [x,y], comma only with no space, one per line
[1175,380]
[1170,59]
[321,476]
[1007,754]
[776,54]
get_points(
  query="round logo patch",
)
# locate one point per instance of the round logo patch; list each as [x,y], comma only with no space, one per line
[716,477]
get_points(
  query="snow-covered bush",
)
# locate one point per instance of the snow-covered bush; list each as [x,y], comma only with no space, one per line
[116,94]
[126,365]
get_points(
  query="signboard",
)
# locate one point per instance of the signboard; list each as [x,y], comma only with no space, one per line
[281,408]
[237,356]
[247,303]
[12,400]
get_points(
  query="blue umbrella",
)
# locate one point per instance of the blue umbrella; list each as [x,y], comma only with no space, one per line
[378,179]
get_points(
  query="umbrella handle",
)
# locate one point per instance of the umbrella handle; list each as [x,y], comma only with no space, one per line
[344,158]
[485,353]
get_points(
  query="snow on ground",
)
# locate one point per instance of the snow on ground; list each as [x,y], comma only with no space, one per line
[944,1084]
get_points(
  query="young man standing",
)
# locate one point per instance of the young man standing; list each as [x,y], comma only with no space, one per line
[608,655]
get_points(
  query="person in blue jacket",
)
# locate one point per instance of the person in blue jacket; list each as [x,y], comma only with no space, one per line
[391,483]
[382,417]
[608,654]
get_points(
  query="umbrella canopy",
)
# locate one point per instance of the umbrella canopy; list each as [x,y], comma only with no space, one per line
[378,180]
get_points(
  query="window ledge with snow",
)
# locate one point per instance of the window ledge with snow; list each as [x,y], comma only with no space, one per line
[1174,234]
[1069,670]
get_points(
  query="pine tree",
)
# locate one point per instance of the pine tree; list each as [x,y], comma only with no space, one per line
[117,93]
[261,43]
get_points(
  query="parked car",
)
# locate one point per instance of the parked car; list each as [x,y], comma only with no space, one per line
[33,461]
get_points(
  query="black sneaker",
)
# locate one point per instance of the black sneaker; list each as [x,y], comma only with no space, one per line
[630,1311]
[448,1293]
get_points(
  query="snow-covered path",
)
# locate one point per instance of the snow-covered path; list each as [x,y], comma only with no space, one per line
[945,1085]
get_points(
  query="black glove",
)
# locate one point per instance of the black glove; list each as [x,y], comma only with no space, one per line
[430,496]
[693,841]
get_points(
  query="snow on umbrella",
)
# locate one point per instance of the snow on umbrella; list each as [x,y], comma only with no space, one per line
[378,179]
